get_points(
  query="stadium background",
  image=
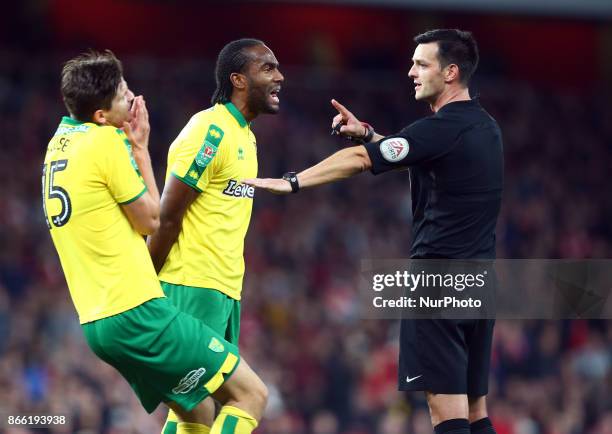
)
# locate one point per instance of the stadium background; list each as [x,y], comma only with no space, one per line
[544,74]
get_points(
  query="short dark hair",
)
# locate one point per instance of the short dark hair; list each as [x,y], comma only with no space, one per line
[232,58]
[454,46]
[90,82]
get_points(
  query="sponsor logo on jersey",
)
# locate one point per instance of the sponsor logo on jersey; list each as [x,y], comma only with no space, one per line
[189,381]
[394,149]
[236,189]
[215,345]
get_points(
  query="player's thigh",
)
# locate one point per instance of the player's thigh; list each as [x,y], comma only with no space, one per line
[244,385]
[478,408]
[445,407]
[203,413]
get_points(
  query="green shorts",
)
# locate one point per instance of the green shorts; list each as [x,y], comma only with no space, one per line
[220,312]
[165,354]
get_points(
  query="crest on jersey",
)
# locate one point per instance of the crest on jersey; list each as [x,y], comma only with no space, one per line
[216,345]
[394,149]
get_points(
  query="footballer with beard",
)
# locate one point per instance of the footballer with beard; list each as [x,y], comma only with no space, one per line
[205,209]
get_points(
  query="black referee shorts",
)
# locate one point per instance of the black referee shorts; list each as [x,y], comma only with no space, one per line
[445,355]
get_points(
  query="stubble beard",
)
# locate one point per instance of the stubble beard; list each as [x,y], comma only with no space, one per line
[258,104]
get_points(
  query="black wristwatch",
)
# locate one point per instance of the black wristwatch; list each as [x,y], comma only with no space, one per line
[370,132]
[292,178]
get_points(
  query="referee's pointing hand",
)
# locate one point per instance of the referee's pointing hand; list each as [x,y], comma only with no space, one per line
[273,185]
[349,125]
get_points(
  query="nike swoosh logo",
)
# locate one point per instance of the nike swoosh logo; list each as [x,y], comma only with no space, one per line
[408,379]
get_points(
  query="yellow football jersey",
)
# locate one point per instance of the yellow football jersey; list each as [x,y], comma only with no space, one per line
[88,172]
[213,153]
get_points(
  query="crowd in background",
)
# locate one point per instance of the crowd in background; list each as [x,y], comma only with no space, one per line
[328,370]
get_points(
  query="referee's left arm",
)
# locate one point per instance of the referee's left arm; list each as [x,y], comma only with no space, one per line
[343,164]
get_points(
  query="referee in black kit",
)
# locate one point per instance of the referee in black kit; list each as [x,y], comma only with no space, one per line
[455,159]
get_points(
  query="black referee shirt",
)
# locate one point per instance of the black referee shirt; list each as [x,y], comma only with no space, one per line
[455,159]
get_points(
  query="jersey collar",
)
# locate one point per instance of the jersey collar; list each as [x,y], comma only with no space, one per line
[70,125]
[70,121]
[236,113]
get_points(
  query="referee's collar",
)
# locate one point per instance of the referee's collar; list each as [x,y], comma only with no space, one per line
[475,100]
[236,114]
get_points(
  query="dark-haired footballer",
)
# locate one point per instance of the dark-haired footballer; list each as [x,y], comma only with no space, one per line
[99,199]
[455,161]
[205,209]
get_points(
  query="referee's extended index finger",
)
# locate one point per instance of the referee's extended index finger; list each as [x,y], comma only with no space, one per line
[341,109]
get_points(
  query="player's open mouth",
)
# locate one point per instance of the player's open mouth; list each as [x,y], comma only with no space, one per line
[274,95]
[417,86]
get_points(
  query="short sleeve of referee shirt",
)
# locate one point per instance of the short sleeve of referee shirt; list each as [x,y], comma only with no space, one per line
[424,140]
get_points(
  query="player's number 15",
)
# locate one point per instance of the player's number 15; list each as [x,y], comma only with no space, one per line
[54,191]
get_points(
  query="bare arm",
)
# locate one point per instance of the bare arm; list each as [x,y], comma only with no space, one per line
[143,213]
[176,199]
[343,164]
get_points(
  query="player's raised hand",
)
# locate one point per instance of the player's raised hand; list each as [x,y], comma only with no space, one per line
[346,123]
[137,129]
[273,185]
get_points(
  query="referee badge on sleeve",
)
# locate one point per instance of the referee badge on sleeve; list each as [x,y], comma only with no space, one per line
[394,149]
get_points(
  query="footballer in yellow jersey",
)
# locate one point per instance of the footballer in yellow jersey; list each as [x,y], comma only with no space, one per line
[99,199]
[213,153]
[89,172]
[206,209]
